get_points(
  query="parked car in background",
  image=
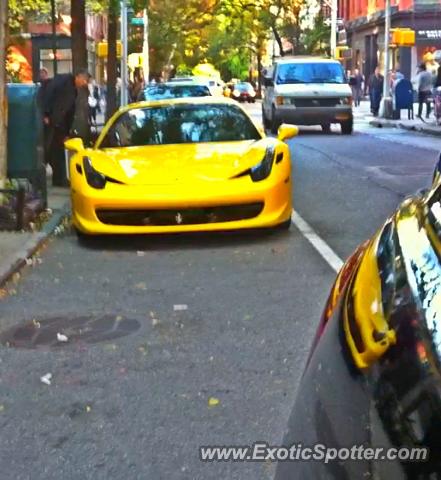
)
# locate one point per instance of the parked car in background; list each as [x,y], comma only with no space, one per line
[243,92]
[307,91]
[165,91]
[215,85]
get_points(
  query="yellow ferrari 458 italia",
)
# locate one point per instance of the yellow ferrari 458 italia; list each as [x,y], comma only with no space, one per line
[181,165]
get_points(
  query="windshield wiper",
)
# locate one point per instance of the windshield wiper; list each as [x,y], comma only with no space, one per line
[289,80]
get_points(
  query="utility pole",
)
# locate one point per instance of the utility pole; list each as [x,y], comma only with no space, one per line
[145,47]
[54,36]
[387,101]
[124,40]
[3,97]
[333,43]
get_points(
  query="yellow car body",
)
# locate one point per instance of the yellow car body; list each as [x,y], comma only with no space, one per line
[183,187]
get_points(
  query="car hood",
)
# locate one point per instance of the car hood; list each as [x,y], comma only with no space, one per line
[168,164]
[313,89]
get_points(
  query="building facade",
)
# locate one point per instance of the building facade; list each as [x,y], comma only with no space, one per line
[363,32]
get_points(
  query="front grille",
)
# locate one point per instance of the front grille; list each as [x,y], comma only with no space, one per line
[182,216]
[316,102]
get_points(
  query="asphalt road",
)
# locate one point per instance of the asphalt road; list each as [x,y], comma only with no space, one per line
[174,321]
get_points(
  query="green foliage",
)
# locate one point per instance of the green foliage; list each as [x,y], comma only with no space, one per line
[315,41]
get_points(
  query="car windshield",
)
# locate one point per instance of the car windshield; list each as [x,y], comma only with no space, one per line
[172,124]
[163,92]
[243,87]
[310,73]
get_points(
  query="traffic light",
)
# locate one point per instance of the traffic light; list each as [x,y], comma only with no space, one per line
[342,52]
[402,37]
[102,49]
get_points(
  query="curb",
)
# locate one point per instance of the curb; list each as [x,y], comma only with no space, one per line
[428,130]
[33,244]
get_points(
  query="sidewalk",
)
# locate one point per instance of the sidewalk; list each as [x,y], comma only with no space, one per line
[17,247]
[428,126]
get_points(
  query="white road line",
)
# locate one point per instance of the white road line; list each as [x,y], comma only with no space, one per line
[333,260]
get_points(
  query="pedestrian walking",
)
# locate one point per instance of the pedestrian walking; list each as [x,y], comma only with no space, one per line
[424,86]
[136,88]
[356,82]
[437,96]
[59,113]
[376,82]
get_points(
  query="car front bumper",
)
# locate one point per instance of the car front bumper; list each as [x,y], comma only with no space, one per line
[313,115]
[173,202]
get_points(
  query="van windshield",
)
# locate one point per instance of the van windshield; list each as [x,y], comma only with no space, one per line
[310,73]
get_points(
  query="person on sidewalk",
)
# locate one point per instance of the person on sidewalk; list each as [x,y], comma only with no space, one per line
[59,113]
[376,82]
[424,85]
[357,87]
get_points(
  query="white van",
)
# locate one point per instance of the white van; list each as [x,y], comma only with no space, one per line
[307,91]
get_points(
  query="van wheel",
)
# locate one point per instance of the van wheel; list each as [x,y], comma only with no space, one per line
[347,127]
[275,124]
[265,121]
[326,127]
[284,225]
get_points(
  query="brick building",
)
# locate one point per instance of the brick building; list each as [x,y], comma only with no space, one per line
[364,33]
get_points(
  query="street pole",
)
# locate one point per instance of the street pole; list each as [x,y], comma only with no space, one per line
[145,47]
[54,36]
[333,43]
[386,90]
[124,39]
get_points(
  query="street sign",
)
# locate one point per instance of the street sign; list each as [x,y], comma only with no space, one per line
[137,21]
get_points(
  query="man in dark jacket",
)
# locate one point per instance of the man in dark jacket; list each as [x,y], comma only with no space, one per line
[59,113]
[376,82]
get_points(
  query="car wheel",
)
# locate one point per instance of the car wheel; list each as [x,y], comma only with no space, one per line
[347,127]
[83,238]
[326,127]
[275,124]
[284,226]
[265,121]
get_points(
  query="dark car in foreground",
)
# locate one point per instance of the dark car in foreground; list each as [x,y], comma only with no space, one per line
[166,91]
[373,376]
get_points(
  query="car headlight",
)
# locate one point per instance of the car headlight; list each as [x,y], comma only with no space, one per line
[280,100]
[236,93]
[263,169]
[94,178]
[252,94]
[346,101]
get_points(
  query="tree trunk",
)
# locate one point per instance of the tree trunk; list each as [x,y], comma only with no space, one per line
[259,77]
[78,29]
[111,59]
[3,98]
[278,40]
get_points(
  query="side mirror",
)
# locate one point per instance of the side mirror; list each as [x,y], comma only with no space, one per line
[287,131]
[268,82]
[74,144]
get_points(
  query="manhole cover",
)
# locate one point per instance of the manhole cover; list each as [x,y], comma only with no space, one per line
[53,332]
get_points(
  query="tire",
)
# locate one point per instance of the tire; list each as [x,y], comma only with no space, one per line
[84,239]
[265,121]
[274,123]
[284,226]
[347,127]
[326,127]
